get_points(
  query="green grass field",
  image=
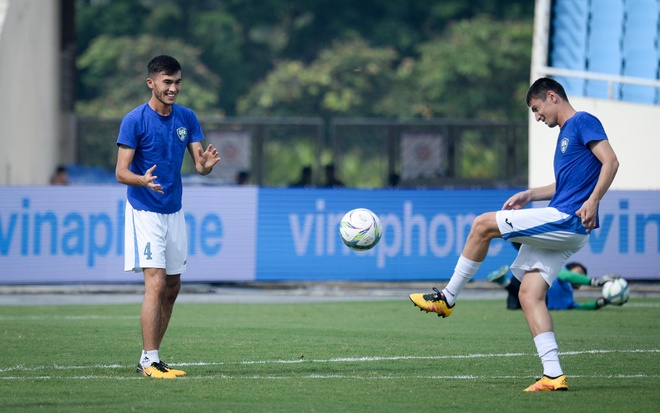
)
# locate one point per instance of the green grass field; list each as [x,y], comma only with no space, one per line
[377,356]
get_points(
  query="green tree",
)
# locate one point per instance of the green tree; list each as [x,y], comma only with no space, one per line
[242,41]
[114,19]
[219,36]
[114,69]
[480,69]
[345,79]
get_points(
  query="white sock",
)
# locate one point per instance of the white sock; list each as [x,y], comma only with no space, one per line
[546,345]
[149,357]
[464,271]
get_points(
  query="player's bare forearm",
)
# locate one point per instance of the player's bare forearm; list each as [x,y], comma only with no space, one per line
[610,165]
[542,193]
[523,198]
[589,209]
[605,179]
[203,170]
[125,176]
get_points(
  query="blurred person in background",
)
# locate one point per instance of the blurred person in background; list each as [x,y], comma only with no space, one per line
[242,178]
[305,180]
[60,177]
[331,180]
[393,180]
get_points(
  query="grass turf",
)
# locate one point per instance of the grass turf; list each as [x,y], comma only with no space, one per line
[371,356]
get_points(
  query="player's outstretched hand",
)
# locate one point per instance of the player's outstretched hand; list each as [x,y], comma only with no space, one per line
[601,302]
[151,180]
[599,282]
[209,157]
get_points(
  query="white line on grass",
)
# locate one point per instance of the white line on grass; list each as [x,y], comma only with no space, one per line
[67,317]
[394,358]
[328,376]
[331,360]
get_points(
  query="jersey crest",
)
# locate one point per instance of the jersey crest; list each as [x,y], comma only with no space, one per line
[183,132]
[564,145]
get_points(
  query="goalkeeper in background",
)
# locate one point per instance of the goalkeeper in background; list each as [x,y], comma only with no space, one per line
[560,293]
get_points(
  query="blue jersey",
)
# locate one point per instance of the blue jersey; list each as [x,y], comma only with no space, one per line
[161,141]
[560,296]
[576,168]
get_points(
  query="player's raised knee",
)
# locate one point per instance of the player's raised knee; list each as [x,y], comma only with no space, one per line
[485,225]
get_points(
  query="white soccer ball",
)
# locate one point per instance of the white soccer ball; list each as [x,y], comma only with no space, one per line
[360,229]
[616,291]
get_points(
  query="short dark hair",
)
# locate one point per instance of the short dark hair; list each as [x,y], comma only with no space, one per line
[572,265]
[163,64]
[541,87]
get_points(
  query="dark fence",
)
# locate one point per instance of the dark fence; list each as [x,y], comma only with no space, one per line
[366,153]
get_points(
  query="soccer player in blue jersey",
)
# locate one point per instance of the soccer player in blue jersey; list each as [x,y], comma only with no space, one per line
[153,139]
[584,166]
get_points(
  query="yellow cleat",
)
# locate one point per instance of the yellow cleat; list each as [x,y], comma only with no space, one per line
[176,372]
[546,383]
[433,302]
[156,371]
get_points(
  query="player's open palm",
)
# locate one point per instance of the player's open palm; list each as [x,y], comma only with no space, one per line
[209,157]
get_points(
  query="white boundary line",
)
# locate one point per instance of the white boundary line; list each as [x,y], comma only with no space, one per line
[327,377]
[67,317]
[21,368]
[640,305]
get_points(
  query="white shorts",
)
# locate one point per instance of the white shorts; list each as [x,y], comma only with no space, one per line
[548,239]
[153,240]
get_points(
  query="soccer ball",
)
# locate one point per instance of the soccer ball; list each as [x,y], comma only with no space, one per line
[360,229]
[616,291]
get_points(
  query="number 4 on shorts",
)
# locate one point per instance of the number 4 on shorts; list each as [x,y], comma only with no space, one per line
[147,250]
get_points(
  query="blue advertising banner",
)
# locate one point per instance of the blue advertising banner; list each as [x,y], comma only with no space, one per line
[423,233]
[75,234]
